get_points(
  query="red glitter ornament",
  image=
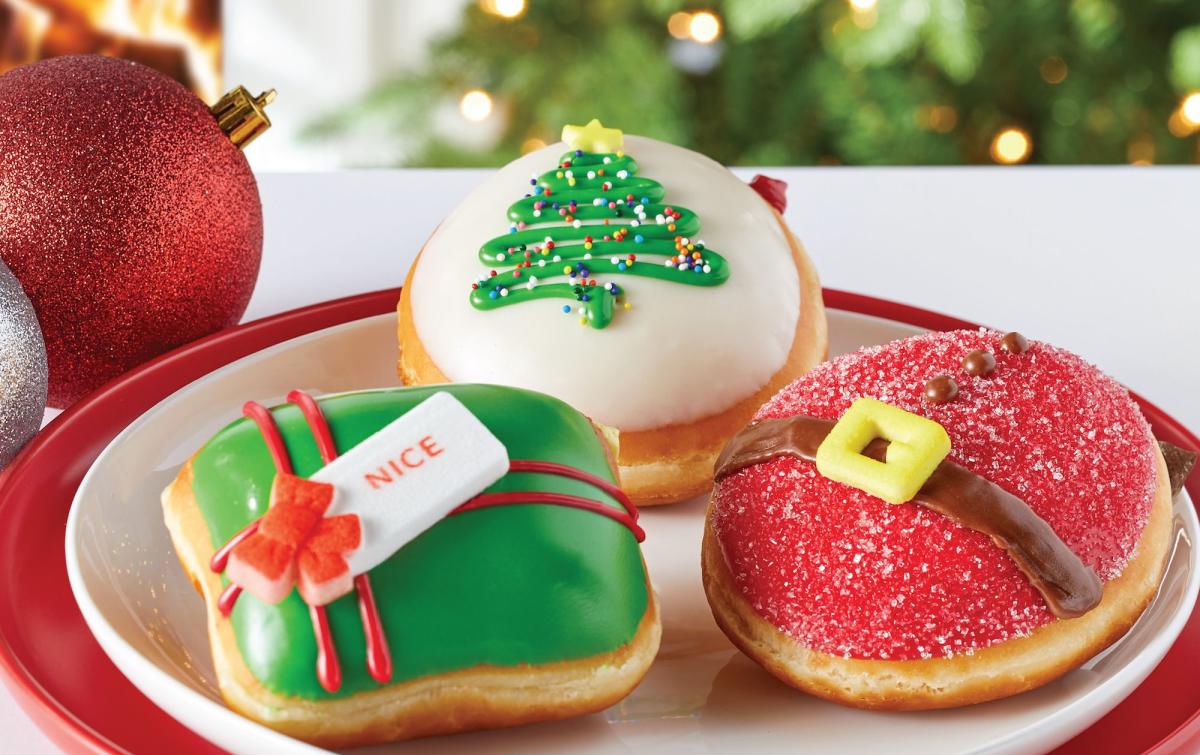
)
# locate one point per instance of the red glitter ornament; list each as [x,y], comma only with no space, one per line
[131,219]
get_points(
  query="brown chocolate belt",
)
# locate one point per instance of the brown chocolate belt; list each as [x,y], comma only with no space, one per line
[1070,587]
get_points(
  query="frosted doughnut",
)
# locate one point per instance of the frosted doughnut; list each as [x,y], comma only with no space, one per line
[897,607]
[680,370]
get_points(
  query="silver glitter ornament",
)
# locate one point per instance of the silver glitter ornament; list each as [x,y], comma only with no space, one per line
[23,372]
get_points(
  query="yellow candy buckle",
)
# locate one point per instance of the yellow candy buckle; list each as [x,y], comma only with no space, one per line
[916,446]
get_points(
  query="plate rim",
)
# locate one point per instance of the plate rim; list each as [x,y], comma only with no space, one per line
[57,721]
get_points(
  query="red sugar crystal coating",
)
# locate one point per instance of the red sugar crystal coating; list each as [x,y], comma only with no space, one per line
[845,573]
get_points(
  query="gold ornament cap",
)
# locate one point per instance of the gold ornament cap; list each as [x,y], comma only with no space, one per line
[242,116]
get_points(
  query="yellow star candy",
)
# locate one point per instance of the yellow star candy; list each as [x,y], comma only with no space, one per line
[916,446]
[593,137]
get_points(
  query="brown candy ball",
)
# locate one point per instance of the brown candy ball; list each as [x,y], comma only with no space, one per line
[978,362]
[941,389]
[1014,343]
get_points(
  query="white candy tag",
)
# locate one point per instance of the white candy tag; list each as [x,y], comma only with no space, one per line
[412,473]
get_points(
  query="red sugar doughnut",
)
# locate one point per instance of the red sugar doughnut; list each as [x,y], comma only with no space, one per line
[849,575]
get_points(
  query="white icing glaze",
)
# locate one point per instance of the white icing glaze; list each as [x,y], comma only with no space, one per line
[681,353]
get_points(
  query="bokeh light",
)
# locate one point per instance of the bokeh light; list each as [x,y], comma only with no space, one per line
[1010,146]
[1190,109]
[1053,70]
[940,118]
[531,145]
[863,5]
[505,8]
[1178,126]
[680,24]
[864,19]
[943,118]
[704,27]
[510,8]
[476,105]
[1141,150]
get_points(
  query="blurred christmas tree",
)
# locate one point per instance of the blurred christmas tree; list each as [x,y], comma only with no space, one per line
[802,82]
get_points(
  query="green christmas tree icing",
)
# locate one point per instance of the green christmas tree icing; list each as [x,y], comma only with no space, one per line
[589,218]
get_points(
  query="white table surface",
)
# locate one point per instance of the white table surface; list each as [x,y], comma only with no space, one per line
[1103,261]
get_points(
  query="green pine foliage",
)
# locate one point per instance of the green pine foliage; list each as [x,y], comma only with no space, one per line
[804,82]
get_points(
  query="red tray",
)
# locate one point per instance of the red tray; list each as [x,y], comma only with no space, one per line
[65,682]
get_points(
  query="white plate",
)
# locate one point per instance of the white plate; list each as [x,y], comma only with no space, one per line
[700,695]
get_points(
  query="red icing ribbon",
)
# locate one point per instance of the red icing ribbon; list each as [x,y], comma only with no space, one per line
[316,423]
[221,558]
[329,668]
[329,671]
[549,467]
[271,436]
[557,499]
[298,536]
[227,599]
[772,190]
[379,655]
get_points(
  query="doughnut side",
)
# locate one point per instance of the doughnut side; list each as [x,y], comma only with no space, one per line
[670,463]
[1006,668]
[483,697]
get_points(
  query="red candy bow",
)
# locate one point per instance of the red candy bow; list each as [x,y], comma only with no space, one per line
[296,544]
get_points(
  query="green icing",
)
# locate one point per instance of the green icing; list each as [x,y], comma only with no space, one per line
[534,219]
[503,586]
